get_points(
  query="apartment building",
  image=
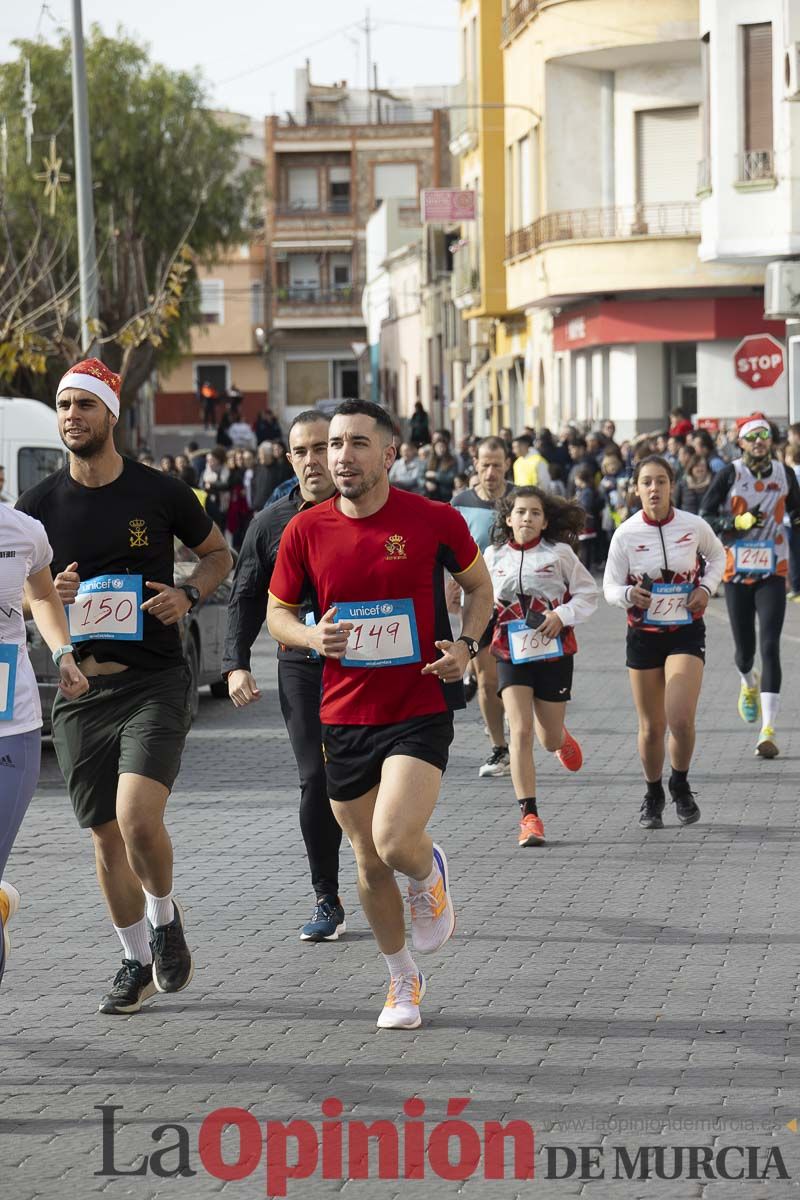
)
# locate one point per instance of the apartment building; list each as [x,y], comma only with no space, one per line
[496,341]
[603,135]
[750,206]
[329,164]
[227,346]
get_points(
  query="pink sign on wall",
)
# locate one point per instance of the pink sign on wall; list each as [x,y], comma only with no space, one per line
[448,204]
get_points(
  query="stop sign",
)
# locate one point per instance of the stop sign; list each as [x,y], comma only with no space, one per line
[758,360]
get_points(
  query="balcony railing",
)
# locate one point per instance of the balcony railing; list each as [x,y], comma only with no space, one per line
[679,219]
[463,118]
[703,176]
[335,205]
[466,275]
[755,165]
[342,296]
[381,112]
[516,16]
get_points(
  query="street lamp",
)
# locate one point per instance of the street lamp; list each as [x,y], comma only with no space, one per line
[87,253]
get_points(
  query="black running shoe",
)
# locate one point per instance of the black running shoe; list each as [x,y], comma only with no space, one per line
[650,813]
[172,960]
[133,984]
[470,686]
[686,810]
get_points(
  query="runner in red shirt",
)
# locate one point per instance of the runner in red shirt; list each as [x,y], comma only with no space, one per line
[375,558]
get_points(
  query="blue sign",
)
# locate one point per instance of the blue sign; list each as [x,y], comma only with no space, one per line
[384,633]
[8,680]
[108,607]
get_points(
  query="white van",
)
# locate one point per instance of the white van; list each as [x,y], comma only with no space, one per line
[30,447]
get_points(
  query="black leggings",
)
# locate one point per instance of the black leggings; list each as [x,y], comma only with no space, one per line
[299,689]
[767,599]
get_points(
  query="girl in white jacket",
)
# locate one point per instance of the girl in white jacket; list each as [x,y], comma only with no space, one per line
[541,591]
[663,565]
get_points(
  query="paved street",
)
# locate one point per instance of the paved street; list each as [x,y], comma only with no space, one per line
[615,988]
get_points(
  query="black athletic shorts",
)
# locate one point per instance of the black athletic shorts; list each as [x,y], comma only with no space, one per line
[485,639]
[135,722]
[648,651]
[550,680]
[355,754]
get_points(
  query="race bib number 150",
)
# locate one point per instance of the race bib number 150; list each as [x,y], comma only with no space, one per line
[107,607]
[384,633]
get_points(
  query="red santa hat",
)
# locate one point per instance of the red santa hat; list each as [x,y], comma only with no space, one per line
[754,421]
[93,376]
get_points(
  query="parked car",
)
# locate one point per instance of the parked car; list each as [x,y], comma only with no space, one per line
[202,635]
[30,448]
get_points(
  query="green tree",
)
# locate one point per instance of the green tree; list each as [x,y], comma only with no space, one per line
[170,188]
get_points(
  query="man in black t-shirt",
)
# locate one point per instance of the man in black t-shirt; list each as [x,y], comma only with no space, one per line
[111,524]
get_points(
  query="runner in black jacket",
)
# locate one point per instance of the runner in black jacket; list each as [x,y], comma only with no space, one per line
[299,674]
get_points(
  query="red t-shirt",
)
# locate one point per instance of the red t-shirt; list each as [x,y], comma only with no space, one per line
[399,553]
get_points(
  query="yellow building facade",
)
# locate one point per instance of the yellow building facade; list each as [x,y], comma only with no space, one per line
[603,129]
[479,278]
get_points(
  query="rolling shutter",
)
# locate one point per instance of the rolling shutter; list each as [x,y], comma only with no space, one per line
[757,54]
[667,152]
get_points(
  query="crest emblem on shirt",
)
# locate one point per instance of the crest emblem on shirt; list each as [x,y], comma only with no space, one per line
[138,531]
[395,546]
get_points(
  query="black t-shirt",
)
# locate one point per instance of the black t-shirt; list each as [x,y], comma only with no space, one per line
[124,528]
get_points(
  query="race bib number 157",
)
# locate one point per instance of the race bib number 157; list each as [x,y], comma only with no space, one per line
[107,607]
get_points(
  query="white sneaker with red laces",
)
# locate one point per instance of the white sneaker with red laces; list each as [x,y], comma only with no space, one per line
[401,1010]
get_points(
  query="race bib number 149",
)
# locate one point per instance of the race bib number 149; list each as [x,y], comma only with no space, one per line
[384,633]
[107,607]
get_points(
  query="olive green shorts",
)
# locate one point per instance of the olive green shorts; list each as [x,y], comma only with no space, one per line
[134,722]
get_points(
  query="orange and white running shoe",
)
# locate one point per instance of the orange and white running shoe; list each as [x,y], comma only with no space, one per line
[570,755]
[531,830]
[433,918]
[9,904]
[401,1010]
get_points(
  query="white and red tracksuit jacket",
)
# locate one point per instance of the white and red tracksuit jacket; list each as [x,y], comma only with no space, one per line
[550,577]
[668,551]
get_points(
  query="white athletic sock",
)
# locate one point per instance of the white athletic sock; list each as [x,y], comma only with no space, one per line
[770,703]
[425,885]
[159,909]
[136,942]
[401,963]
[749,680]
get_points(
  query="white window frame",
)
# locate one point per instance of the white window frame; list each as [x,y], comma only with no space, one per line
[212,300]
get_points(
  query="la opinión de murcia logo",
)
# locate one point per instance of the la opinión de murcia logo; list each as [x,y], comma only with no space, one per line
[232,1144]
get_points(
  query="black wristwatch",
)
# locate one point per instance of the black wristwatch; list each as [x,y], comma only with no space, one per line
[471,645]
[192,593]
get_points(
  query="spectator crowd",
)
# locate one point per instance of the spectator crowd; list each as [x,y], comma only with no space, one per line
[247,468]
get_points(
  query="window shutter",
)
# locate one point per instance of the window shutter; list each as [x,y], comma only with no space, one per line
[303,187]
[757,47]
[667,150]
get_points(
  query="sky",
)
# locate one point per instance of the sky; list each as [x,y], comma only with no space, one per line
[248,49]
